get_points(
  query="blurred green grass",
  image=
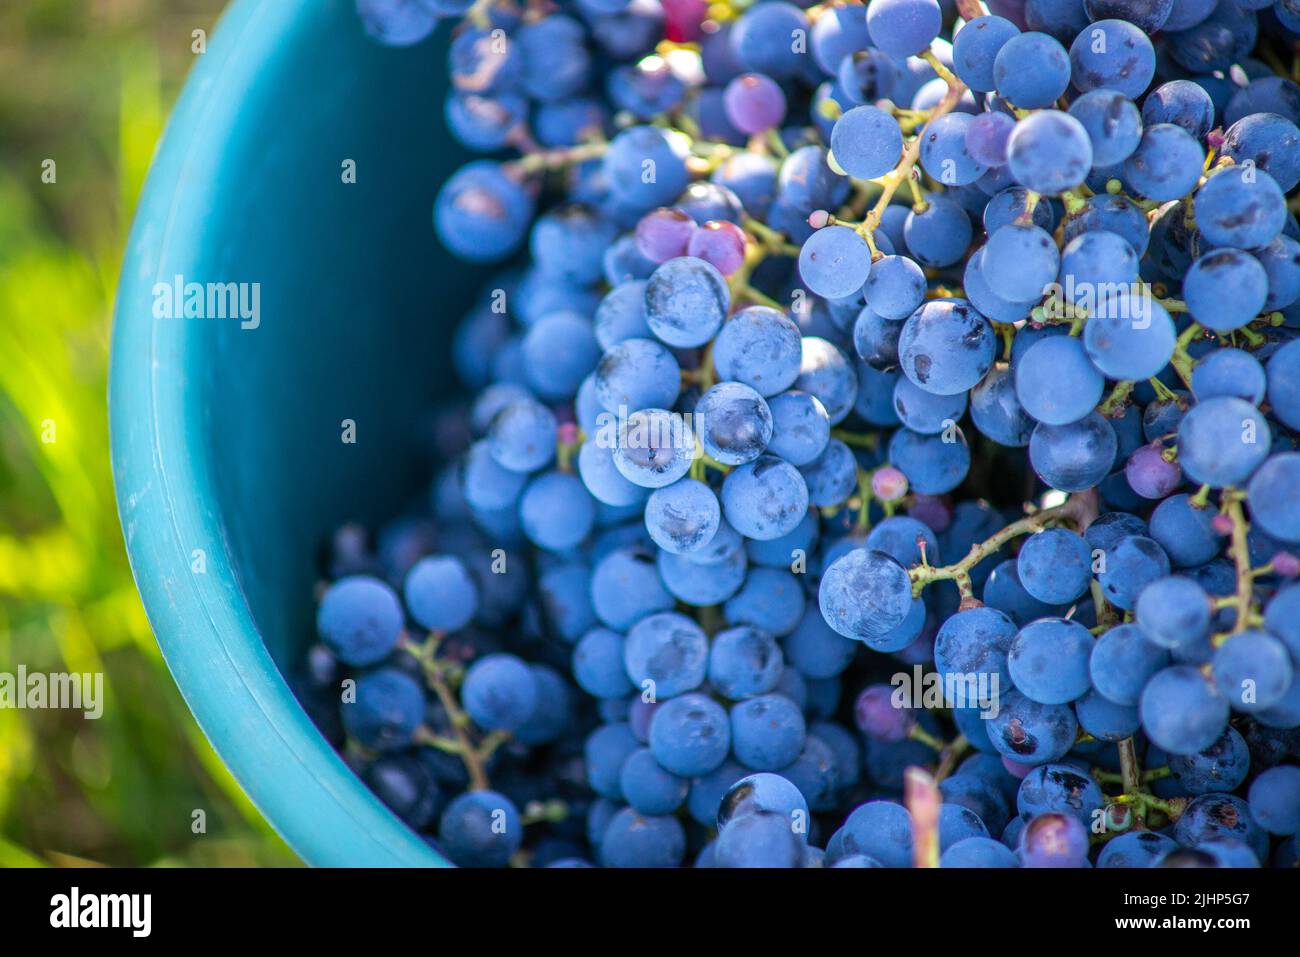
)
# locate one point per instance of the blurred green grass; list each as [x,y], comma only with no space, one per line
[86,83]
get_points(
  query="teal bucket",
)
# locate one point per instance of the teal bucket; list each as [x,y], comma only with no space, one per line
[229,457]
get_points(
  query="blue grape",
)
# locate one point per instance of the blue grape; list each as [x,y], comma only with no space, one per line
[648,788]
[1269,141]
[1173,612]
[996,411]
[944,155]
[816,651]
[866,142]
[800,427]
[1031,70]
[1225,289]
[1221,441]
[865,594]
[1020,262]
[733,422]
[1055,382]
[1220,767]
[903,27]
[624,163]
[655,448]
[1061,788]
[826,373]
[975,48]
[1252,671]
[744,662]
[1242,208]
[1031,733]
[500,692]
[480,829]
[440,594]
[975,642]
[925,412]
[767,732]
[633,840]
[1114,54]
[895,288]
[933,464]
[1146,16]
[1049,152]
[636,374]
[835,262]
[831,477]
[1130,566]
[1129,336]
[1182,711]
[621,314]
[1135,849]
[760,348]
[690,736]
[760,839]
[760,39]
[940,233]
[1275,799]
[983,852]
[666,653]
[1048,660]
[1167,163]
[360,620]
[556,512]
[625,587]
[522,436]
[1271,496]
[1211,816]
[764,499]
[1073,457]
[987,138]
[946,346]
[598,664]
[839,33]
[1055,566]
[1007,205]
[387,710]
[881,830]
[481,214]
[682,517]
[686,300]
[1113,124]
[603,479]
[1122,662]
[1182,103]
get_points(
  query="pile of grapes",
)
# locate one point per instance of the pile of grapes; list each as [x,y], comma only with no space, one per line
[879,448]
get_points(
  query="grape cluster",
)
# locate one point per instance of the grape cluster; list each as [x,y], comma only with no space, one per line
[880,445]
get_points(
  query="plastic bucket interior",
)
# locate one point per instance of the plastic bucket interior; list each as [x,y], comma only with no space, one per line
[228,452]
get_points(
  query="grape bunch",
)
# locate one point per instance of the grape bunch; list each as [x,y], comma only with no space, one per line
[878,448]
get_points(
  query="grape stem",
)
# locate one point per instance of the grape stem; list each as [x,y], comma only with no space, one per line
[1181,359]
[474,756]
[1131,774]
[1117,400]
[1231,507]
[1081,508]
[912,152]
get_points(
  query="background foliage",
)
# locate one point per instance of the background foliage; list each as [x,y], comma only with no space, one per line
[87,83]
